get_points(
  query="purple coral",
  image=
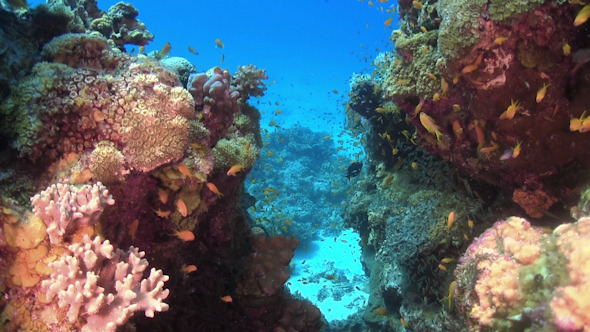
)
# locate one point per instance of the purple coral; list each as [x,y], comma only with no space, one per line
[215,100]
[104,286]
[65,208]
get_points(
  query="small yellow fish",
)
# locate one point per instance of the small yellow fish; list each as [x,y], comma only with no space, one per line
[165,49]
[381,311]
[511,110]
[423,29]
[567,49]
[182,207]
[470,223]
[582,16]
[444,85]
[388,22]
[516,149]
[184,235]
[500,40]
[227,299]
[235,169]
[430,125]
[192,50]
[414,165]
[248,147]
[417,4]
[214,189]
[447,260]
[541,92]
[450,220]
[452,286]
[133,228]
[442,267]
[188,268]
[219,43]
[403,322]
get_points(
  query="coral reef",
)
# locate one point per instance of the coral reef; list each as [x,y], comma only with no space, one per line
[87,113]
[513,276]
[104,286]
[462,64]
[65,209]
[60,109]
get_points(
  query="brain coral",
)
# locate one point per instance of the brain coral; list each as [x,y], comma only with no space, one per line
[86,97]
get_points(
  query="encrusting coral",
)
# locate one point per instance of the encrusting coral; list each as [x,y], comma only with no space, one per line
[515,275]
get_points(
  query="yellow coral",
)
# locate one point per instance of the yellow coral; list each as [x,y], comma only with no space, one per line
[25,234]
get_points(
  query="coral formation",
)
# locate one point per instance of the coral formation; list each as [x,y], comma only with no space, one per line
[513,276]
[248,81]
[120,24]
[103,286]
[65,208]
[60,109]
[215,101]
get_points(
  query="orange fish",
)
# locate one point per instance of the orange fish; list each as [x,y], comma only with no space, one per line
[185,235]
[162,214]
[248,147]
[214,189]
[582,16]
[133,228]
[227,299]
[188,268]
[163,195]
[457,129]
[442,267]
[235,169]
[165,49]
[430,125]
[184,170]
[511,110]
[388,22]
[417,4]
[447,260]
[219,43]
[470,223]
[182,207]
[450,220]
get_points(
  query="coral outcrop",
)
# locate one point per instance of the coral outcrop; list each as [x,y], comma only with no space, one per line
[83,97]
[515,275]
[103,286]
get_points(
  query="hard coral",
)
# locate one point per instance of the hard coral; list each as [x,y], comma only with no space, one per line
[60,109]
[248,81]
[66,208]
[103,287]
[512,276]
[120,24]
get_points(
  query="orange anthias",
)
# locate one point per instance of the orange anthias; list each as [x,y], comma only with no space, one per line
[184,235]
